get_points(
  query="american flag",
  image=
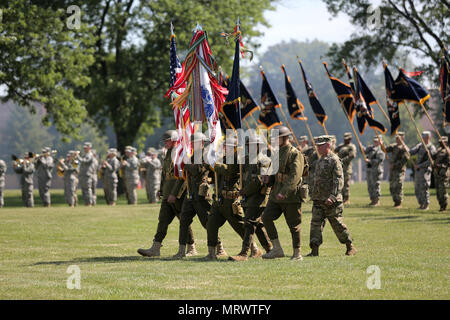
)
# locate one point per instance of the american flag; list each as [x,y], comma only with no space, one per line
[182,116]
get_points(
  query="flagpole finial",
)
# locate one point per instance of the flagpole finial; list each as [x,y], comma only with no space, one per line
[261,68]
[198,27]
[171,27]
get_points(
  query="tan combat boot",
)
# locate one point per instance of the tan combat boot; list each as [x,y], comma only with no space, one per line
[375,202]
[154,251]
[425,207]
[296,255]
[242,256]
[191,251]
[351,250]
[276,252]
[181,252]
[443,208]
[220,251]
[314,251]
[398,204]
[211,254]
[255,252]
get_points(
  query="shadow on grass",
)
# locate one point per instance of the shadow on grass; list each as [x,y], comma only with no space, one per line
[408,218]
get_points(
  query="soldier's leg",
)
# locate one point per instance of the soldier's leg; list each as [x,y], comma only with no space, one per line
[369,177]
[392,186]
[236,220]
[346,188]
[47,192]
[317,219]
[94,191]
[252,224]
[417,186]
[29,196]
[271,213]
[186,217]
[215,221]
[293,217]
[427,184]
[113,194]
[441,191]
[334,216]
[106,192]
[2,203]
[378,178]
[24,195]
[166,216]
[260,230]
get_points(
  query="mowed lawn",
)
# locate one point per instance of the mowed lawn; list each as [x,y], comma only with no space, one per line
[411,249]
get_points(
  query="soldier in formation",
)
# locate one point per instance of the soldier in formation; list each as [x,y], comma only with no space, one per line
[87,171]
[109,169]
[70,169]
[26,170]
[2,181]
[346,152]
[44,167]
[374,164]
[442,172]
[397,168]
[422,170]
[152,167]
[327,198]
[131,174]
[95,168]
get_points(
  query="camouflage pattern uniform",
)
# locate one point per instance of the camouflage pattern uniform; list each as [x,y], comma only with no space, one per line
[26,170]
[110,169]
[374,172]
[311,158]
[328,183]
[131,167]
[152,176]
[86,173]
[442,173]
[95,168]
[422,177]
[346,152]
[70,181]
[44,167]
[2,181]
[397,169]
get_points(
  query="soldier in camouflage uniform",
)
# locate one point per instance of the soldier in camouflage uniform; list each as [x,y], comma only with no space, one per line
[327,198]
[172,191]
[198,200]
[26,170]
[442,173]
[346,152]
[110,168]
[285,196]
[44,167]
[86,173]
[2,181]
[131,172]
[255,195]
[397,168]
[95,168]
[374,164]
[311,158]
[152,167]
[70,178]
[422,176]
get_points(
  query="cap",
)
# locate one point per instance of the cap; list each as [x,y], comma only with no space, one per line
[348,135]
[444,139]
[400,133]
[44,150]
[426,134]
[151,150]
[170,134]
[323,139]
[87,145]
[376,139]
[198,136]
[303,138]
[112,150]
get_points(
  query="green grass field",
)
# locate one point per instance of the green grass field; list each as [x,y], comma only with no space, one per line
[37,245]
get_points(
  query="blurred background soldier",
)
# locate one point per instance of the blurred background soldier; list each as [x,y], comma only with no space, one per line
[86,173]
[25,168]
[110,168]
[374,163]
[285,196]
[70,169]
[442,172]
[152,167]
[131,174]
[172,193]
[44,167]
[422,176]
[2,181]
[327,198]
[346,152]
[397,168]
[95,167]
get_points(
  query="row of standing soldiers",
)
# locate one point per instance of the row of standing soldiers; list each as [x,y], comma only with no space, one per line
[250,208]
[85,171]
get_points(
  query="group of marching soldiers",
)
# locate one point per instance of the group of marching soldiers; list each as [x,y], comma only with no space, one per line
[85,170]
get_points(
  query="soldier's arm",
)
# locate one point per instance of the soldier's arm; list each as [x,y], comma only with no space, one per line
[389,148]
[295,174]
[378,159]
[337,181]
[427,162]
[414,150]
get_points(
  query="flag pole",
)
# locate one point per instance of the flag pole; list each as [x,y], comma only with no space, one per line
[354,131]
[289,126]
[418,133]
[309,132]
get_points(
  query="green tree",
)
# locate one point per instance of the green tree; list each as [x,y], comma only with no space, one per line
[43,60]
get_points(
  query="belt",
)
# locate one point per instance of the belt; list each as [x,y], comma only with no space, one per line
[230,194]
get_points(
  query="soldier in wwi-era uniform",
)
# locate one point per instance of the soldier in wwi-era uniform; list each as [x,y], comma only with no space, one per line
[397,168]
[172,192]
[2,181]
[198,199]
[374,164]
[285,196]
[110,168]
[442,173]
[346,152]
[44,167]
[131,174]
[152,167]
[26,170]
[70,170]
[327,198]
[255,195]
[86,173]
[422,170]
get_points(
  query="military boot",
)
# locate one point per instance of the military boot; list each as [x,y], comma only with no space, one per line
[255,251]
[242,256]
[443,208]
[191,251]
[314,251]
[181,252]
[375,202]
[351,250]
[154,251]
[425,207]
[211,253]
[296,255]
[220,251]
[398,204]
[276,252]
